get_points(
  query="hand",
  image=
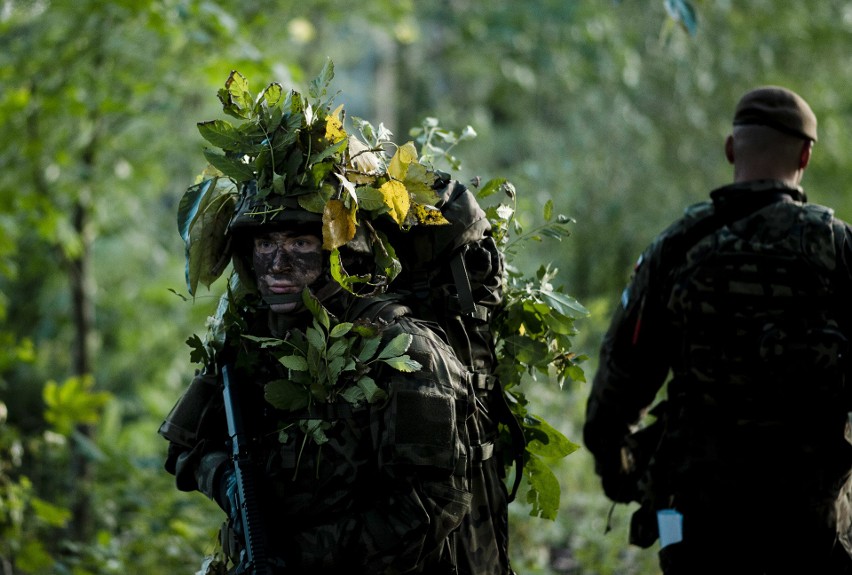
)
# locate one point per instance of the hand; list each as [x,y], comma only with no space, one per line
[226,494]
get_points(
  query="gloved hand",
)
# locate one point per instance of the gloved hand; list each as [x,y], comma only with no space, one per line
[228,498]
[619,483]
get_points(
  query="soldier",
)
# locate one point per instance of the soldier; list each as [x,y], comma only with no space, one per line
[744,302]
[387,486]
[330,425]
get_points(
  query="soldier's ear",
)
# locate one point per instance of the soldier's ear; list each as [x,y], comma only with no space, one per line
[729,148]
[805,154]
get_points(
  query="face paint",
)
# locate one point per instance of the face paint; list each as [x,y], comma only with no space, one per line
[285,263]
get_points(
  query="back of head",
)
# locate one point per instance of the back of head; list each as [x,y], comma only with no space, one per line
[772,127]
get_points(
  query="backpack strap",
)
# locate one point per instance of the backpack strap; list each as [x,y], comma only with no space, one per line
[462,280]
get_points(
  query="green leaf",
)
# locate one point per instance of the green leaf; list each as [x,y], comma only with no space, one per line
[294,362]
[491,187]
[544,492]
[353,395]
[372,392]
[233,168]
[265,342]
[189,205]
[369,347]
[315,428]
[199,351]
[49,513]
[397,346]
[335,366]
[340,330]
[328,151]
[544,440]
[337,349]
[283,394]
[564,304]
[319,85]
[224,135]
[548,210]
[403,363]
[207,249]
[236,99]
[316,339]
[371,199]
[317,310]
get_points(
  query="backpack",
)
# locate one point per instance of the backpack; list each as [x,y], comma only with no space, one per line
[754,302]
[453,275]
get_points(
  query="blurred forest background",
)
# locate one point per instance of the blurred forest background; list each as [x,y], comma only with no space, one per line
[616,111]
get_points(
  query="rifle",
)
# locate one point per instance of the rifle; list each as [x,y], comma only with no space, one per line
[257,562]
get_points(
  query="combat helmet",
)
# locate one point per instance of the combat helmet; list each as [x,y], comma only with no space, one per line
[290,160]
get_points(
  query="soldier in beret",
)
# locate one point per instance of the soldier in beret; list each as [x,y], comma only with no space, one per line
[741,310]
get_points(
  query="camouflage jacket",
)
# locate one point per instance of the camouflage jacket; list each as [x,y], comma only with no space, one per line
[382,495]
[756,376]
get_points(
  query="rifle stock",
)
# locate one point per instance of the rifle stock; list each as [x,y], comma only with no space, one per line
[257,560]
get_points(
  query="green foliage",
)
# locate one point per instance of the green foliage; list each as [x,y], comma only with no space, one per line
[332,360]
[534,332]
[73,403]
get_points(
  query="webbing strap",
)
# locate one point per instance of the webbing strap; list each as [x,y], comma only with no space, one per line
[482,452]
[462,281]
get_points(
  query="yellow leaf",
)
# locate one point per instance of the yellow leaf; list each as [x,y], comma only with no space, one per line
[404,155]
[427,215]
[334,131]
[338,225]
[396,199]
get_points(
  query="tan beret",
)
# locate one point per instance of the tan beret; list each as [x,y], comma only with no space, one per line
[778,108]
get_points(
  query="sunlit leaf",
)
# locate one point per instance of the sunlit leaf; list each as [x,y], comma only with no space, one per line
[546,441]
[317,310]
[338,224]
[395,197]
[405,155]
[340,329]
[397,346]
[403,363]
[544,493]
[427,215]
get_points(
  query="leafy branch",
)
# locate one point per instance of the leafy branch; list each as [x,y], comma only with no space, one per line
[533,332]
[331,361]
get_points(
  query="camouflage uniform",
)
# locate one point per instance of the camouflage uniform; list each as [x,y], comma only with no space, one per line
[745,301]
[386,490]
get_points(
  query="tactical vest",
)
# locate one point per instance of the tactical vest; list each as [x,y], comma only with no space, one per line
[754,304]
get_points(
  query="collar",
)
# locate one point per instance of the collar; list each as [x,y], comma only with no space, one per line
[756,192]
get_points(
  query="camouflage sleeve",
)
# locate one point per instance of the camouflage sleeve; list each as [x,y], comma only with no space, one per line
[196,436]
[633,366]
[403,521]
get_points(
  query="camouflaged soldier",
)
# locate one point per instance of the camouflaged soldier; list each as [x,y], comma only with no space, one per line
[386,486]
[361,446]
[744,302]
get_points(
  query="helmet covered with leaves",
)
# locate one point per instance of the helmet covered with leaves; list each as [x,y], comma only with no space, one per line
[290,160]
